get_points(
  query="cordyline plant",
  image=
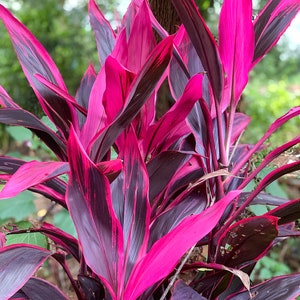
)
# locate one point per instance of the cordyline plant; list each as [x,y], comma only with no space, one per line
[177,182]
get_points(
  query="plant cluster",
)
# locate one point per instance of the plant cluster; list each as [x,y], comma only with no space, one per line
[177,183]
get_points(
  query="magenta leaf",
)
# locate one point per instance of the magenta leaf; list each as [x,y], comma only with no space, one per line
[236,40]
[246,240]
[183,291]
[39,289]
[141,88]
[192,229]
[31,174]
[18,263]
[278,288]
[104,34]
[203,42]
[271,23]
[172,125]
[35,60]
[90,205]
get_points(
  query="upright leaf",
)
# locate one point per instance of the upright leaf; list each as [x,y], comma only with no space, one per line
[104,34]
[236,40]
[204,43]
[90,205]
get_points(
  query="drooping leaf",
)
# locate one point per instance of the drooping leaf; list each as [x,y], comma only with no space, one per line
[271,23]
[31,174]
[35,59]
[18,263]
[104,34]
[204,43]
[277,288]
[246,240]
[39,289]
[179,240]
[90,205]
[236,40]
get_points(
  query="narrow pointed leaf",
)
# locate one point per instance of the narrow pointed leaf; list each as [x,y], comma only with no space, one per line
[31,174]
[84,91]
[104,34]
[236,40]
[203,42]
[35,59]
[90,205]
[18,263]
[271,23]
[140,90]
[179,240]
[168,129]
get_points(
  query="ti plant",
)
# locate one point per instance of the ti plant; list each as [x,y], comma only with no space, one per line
[177,183]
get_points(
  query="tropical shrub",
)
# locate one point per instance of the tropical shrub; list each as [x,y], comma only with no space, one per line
[145,194]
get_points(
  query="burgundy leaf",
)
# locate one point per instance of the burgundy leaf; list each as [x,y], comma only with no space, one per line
[18,263]
[90,205]
[183,291]
[133,203]
[39,289]
[278,288]
[271,23]
[93,289]
[104,34]
[236,34]
[203,42]
[169,127]
[84,91]
[240,123]
[36,60]
[31,174]
[141,88]
[192,229]
[246,240]
[288,212]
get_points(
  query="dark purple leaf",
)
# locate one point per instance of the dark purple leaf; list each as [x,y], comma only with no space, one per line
[18,263]
[159,175]
[142,87]
[246,240]
[183,291]
[34,59]
[263,198]
[288,212]
[278,288]
[92,288]
[90,205]
[84,91]
[39,289]
[271,23]
[240,123]
[203,42]
[104,34]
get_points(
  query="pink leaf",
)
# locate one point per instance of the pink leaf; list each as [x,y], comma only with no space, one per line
[236,34]
[192,229]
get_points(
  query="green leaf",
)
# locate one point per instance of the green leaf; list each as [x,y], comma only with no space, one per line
[17,208]
[63,221]
[32,238]
[20,134]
